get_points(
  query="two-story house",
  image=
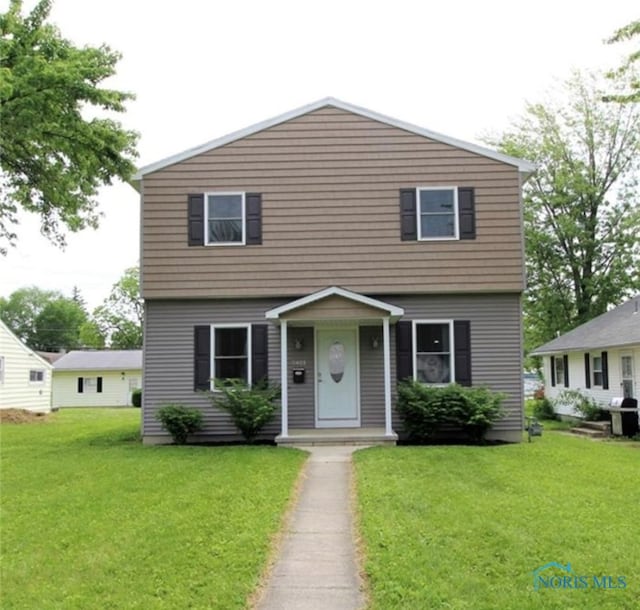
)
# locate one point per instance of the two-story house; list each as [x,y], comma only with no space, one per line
[335,251]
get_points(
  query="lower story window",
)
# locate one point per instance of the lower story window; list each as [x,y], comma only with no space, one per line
[433,341]
[36,376]
[597,370]
[231,351]
[89,385]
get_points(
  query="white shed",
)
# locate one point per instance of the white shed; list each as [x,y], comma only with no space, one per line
[25,377]
[96,378]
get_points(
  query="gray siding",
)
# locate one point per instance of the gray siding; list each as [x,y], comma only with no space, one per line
[168,356]
[301,395]
[496,342]
[496,354]
[371,378]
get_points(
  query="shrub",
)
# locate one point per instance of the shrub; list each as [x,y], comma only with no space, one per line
[543,409]
[136,397]
[179,421]
[427,410]
[539,393]
[585,405]
[251,408]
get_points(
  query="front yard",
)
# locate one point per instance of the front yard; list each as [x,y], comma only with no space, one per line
[465,527]
[93,519]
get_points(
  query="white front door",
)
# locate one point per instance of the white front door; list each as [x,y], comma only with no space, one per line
[337,394]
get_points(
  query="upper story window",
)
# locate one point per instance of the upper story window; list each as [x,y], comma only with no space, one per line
[433,343]
[432,213]
[438,213]
[225,219]
[36,376]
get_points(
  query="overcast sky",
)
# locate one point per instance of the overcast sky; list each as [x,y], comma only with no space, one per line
[203,68]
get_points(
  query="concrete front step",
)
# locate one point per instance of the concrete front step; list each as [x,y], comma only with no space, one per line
[336,437]
[603,426]
[582,430]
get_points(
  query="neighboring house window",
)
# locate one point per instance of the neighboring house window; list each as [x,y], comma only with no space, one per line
[433,346]
[437,213]
[89,385]
[561,373]
[225,222]
[36,376]
[231,346]
[597,370]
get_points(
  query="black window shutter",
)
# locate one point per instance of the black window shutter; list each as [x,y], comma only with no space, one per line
[99,384]
[253,212]
[404,350]
[462,346]
[553,371]
[259,352]
[195,211]
[202,358]
[605,371]
[408,212]
[80,385]
[565,360]
[587,371]
[466,213]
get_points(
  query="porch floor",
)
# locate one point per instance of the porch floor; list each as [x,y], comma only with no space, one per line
[336,436]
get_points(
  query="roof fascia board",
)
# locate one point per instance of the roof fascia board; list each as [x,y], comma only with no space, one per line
[25,347]
[525,167]
[392,310]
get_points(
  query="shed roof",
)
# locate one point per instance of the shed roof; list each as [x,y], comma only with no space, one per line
[525,167]
[78,360]
[616,328]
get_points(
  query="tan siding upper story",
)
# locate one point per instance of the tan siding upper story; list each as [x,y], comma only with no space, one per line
[330,185]
[334,308]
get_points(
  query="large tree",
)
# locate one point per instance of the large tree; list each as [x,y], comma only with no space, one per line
[581,206]
[44,319]
[54,151]
[631,93]
[21,308]
[118,321]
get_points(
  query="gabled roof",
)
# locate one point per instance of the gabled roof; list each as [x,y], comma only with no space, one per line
[24,346]
[615,328]
[121,360]
[525,167]
[391,311]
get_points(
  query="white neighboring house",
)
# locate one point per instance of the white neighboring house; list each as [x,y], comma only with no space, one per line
[601,357]
[25,377]
[96,378]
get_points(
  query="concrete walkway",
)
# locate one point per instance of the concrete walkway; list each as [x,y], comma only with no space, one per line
[316,567]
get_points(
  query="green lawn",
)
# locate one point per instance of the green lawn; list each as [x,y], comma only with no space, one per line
[93,519]
[465,527]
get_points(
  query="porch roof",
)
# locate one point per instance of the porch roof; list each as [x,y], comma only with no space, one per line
[385,310]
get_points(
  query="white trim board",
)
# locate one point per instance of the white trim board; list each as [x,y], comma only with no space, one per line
[525,167]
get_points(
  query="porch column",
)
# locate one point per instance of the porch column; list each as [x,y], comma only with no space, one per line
[387,376]
[284,394]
